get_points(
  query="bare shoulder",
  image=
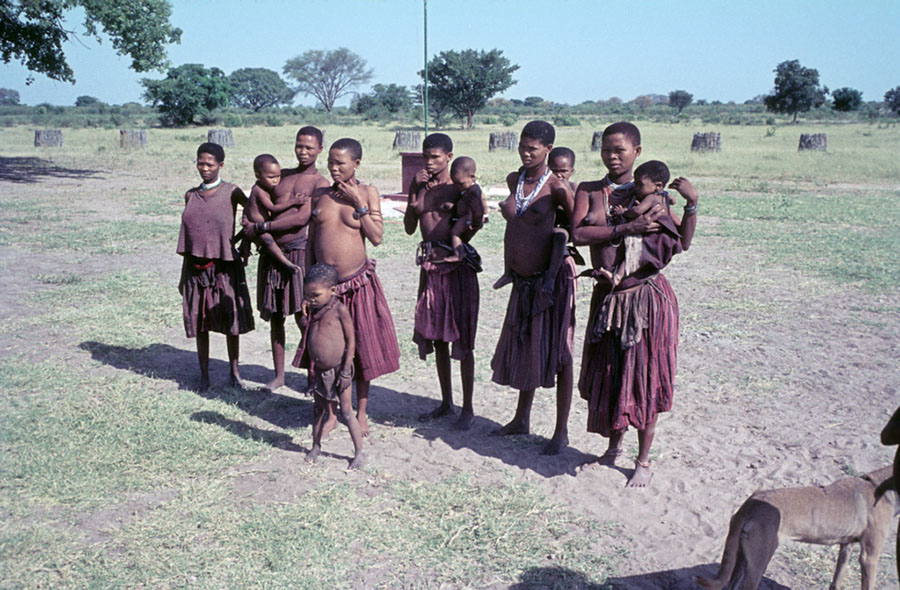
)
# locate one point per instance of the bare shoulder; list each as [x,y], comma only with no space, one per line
[589,186]
[512,180]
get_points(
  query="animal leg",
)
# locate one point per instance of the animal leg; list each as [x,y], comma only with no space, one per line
[839,569]
[758,544]
[870,545]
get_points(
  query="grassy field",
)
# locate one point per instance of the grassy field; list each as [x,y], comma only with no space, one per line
[115,473]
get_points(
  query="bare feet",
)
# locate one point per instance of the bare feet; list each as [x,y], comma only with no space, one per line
[363,426]
[503,281]
[274,384]
[358,461]
[465,421]
[236,381]
[313,453]
[439,412]
[329,425]
[204,383]
[514,427]
[607,459]
[556,444]
[641,476]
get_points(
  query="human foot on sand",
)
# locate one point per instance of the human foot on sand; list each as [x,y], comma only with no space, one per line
[514,427]
[439,412]
[607,459]
[236,381]
[358,461]
[313,454]
[204,383]
[465,421]
[641,476]
[274,384]
[556,444]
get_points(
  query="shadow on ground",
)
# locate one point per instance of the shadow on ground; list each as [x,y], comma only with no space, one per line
[554,578]
[387,408]
[679,579]
[31,169]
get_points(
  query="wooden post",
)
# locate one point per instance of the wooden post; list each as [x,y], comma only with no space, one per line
[132,138]
[813,141]
[223,137]
[48,137]
[707,142]
[507,140]
[411,163]
[408,140]
[596,141]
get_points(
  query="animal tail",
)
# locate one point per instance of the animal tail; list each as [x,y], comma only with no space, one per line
[730,555]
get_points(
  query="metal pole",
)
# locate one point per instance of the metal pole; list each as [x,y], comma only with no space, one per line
[425,6]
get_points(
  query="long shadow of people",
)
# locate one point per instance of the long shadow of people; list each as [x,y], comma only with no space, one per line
[554,578]
[30,169]
[278,440]
[162,361]
[677,579]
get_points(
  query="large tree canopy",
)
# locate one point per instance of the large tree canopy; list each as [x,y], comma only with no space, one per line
[465,80]
[892,99]
[258,88]
[796,89]
[846,99]
[33,32]
[680,99]
[188,91]
[327,75]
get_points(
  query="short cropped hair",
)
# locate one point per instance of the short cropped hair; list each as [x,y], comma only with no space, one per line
[214,149]
[463,164]
[541,131]
[627,129]
[321,274]
[350,145]
[438,140]
[654,170]
[312,132]
[263,160]
[562,152]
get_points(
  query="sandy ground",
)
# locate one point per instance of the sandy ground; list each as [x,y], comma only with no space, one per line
[784,379]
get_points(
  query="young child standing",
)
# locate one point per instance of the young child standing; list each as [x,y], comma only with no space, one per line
[214,290]
[331,343]
[536,341]
[344,216]
[447,305]
[631,341]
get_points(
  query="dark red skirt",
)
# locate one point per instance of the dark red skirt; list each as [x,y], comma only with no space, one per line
[538,336]
[377,350]
[628,365]
[279,291]
[215,298]
[447,308]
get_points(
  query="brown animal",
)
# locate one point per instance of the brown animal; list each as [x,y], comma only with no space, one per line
[891,436]
[853,509]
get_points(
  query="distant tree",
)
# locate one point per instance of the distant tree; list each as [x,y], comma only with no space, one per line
[659,98]
[680,99]
[187,92]
[463,81]
[393,97]
[892,100]
[643,101]
[614,100]
[702,102]
[846,99]
[533,101]
[85,100]
[796,89]
[8,96]
[258,88]
[327,75]
[33,32]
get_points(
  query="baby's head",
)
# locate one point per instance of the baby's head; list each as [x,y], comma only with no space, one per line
[649,178]
[320,285]
[267,170]
[562,162]
[462,173]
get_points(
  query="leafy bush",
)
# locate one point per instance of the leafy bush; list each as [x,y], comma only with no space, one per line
[489,120]
[272,120]
[232,120]
[508,119]
[566,121]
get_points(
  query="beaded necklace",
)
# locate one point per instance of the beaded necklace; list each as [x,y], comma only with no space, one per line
[522,202]
[208,187]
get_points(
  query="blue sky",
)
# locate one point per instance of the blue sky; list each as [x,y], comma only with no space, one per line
[568,50]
